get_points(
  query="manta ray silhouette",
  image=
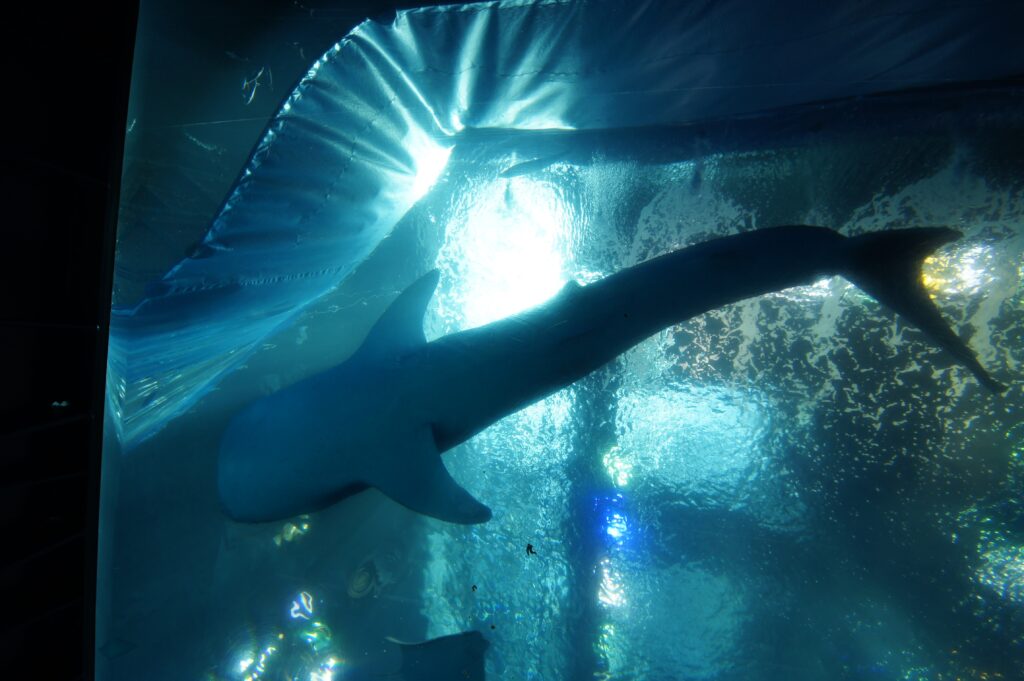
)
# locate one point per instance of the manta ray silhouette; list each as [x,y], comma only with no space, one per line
[383,417]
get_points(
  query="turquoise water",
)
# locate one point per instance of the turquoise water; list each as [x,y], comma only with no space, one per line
[792,487]
[796,486]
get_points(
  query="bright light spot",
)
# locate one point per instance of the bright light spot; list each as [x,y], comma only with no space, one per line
[614,522]
[617,467]
[611,592]
[326,670]
[819,289]
[823,288]
[318,636]
[507,253]
[302,606]
[540,118]
[1002,570]
[245,663]
[290,532]
[963,271]
[261,666]
[616,527]
[430,158]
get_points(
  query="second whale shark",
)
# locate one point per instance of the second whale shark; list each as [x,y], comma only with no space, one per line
[383,417]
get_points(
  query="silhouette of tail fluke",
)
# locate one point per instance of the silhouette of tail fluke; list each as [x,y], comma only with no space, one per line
[887,265]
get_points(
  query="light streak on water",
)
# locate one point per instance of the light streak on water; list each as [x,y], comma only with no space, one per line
[508,252]
[611,592]
[302,606]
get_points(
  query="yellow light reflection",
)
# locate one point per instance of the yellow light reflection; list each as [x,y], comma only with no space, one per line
[964,271]
[292,531]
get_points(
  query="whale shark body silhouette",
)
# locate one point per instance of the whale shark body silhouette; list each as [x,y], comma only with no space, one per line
[383,417]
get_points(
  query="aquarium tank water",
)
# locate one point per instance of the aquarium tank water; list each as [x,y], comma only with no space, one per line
[797,486]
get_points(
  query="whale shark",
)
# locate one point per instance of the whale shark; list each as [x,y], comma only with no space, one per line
[383,417]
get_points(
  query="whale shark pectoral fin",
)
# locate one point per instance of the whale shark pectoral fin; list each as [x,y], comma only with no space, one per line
[401,325]
[414,476]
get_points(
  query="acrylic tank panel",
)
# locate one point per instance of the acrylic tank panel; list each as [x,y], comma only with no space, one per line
[796,486]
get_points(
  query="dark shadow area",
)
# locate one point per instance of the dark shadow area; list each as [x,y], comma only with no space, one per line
[67,78]
[66,81]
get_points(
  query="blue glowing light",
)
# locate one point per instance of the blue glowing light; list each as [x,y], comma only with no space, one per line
[614,521]
[615,527]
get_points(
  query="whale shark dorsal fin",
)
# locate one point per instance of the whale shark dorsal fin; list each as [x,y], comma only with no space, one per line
[401,325]
[410,472]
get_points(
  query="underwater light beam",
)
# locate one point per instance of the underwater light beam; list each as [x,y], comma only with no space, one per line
[430,159]
[508,254]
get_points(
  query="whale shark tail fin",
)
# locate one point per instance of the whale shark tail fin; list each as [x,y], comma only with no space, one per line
[458,656]
[887,266]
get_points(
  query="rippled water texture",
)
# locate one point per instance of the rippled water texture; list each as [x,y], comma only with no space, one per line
[791,487]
